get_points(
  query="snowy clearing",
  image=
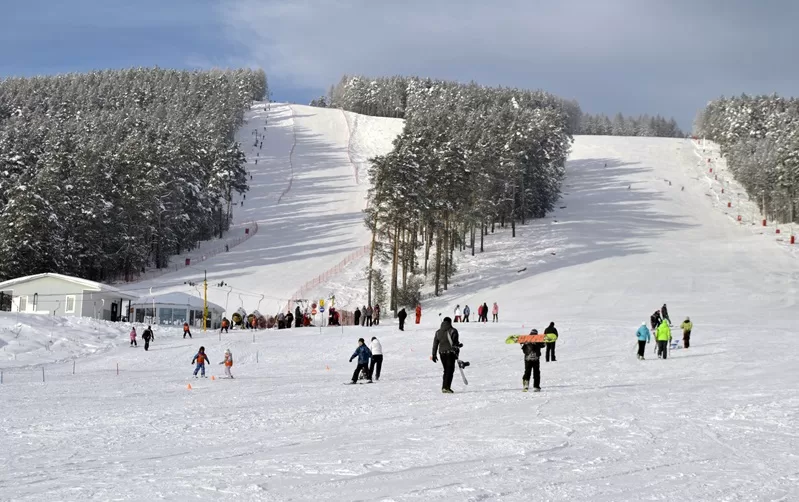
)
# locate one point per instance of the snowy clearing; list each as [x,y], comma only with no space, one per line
[716,422]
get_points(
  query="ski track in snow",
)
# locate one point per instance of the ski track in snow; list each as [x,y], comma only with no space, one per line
[716,422]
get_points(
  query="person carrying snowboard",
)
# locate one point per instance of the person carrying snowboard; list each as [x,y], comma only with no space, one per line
[228,362]
[643,338]
[377,359]
[363,354]
[550,338]
[186,330]
[664,313]
[147,336]
[532,363]
[446,345]
[686,326]
[401,316]
[200,358]
[466,312]
[133,337]
[663,337]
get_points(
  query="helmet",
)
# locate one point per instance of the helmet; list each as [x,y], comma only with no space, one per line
[227,351]
[533,331]
[643,323]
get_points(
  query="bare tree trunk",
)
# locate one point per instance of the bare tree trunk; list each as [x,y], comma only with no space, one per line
[438,262]
[472,239]
[372,260]
[446,254]
[395,268]
[482,235]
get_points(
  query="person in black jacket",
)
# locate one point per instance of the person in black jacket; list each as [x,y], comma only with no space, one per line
[297,317]
[446,345]
[532,362]
[655,319]
[401,316]
[147,336]
[357,316]
[289,320]
[664,312]
[550,338]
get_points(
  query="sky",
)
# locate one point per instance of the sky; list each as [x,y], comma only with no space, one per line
[630,56]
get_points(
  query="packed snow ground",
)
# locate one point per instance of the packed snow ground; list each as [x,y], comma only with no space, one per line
[715,422]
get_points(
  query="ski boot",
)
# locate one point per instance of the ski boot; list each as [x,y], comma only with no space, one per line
[536,389]
[525,385]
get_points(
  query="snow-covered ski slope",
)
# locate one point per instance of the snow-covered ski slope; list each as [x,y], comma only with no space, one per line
[716,422]
[307,194]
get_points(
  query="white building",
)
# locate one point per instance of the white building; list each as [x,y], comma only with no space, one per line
[63,295]
[175,309]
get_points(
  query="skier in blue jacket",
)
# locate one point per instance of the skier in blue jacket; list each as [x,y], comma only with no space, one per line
[363,354]
[643,338]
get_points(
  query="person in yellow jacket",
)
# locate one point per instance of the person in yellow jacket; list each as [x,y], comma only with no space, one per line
[686,326]
[663,337]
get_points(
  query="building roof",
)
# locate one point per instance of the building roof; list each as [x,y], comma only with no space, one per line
[177,298]
[85,284]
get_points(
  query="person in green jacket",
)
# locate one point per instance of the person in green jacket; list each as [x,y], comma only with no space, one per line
[663,337]
[686,326]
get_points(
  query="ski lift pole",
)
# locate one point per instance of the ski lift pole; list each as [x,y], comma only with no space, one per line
[205,300]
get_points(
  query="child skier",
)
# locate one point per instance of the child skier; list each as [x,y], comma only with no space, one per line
[200,358]
[363,354]
[186,330]
[133,337]
[686,326]
[228,362]
[532,362]
[643,338]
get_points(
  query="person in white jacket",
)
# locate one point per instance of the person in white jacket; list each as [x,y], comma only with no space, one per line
[377,359]
[457,313]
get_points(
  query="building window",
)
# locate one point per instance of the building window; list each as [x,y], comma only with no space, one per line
[5,301]
[139,315]
[23,303]
[178,316]
[165,315]
[69,308]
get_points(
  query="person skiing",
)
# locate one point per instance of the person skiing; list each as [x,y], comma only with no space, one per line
[225,325]
[418,313]
[663,337]
[298,317]
[401,316]
[550,338]
[457,313]
[445,345]
[377,359]
[289,320]
[200,358]
[133,337]
[466,313]
[643,338]
[228,362]
[147,336]
[369,312]
[357,316]
[363,354]
[686,326]
[485,312]
[376,315]
[532,363]
[495,312]
[664,312]
[186,330]
[655,320]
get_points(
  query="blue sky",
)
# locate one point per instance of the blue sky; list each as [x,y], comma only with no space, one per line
[633,56]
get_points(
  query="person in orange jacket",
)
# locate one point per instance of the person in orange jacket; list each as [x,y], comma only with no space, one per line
[228,362]
[225,324]
[186,330]
[200,358]
[418,313]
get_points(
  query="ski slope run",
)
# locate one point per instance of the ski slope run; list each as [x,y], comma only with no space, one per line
[307,194]
[716,422]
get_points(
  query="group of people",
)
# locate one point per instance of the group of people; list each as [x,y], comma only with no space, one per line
[661,326]
[482,313]
[147,336]
[201,358]
[373,353]
[368,316]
